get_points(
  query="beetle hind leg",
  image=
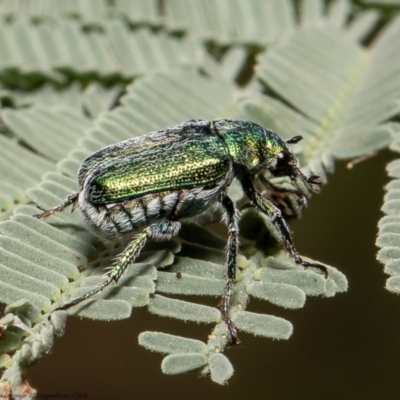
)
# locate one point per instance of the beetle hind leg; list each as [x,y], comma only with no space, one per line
[231,220]
[71,200]
[161,231]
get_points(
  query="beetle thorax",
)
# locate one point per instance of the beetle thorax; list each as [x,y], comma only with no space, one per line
[251,147]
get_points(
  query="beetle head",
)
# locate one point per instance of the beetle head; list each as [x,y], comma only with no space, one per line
[286,165]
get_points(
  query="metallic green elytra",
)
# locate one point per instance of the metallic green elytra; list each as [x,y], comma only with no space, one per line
[150,183]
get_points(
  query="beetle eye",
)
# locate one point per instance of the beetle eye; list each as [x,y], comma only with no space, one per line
[283,166]
[283,160]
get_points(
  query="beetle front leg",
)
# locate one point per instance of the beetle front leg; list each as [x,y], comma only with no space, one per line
[283,190]
[162,231]
[272,212]
[231,219]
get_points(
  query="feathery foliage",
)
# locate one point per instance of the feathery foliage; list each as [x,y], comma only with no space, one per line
[64,72]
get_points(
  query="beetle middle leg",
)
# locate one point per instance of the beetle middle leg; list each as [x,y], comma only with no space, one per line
[267,208]
[162,231]
[231,220]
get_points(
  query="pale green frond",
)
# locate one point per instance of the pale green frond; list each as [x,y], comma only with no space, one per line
[339,12]
[90,12]
[259,22]
[345,91]
[15,181]
[139,11]
[230,21]
[311,12]
[96,98]
[58,50]
[51,128]
[8,8]
[51,133]
[382,2]
[233,62]
[228,68]
[363,23]
[388,239]
[48,96]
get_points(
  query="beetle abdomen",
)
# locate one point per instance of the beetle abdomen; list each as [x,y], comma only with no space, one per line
[128,216]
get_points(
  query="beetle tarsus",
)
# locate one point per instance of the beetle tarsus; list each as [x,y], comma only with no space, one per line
[86,296]
[298,260]
[71,200]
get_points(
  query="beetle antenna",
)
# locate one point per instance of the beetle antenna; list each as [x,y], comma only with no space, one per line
[294,140]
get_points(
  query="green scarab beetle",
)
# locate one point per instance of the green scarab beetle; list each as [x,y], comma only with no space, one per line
[144,187]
